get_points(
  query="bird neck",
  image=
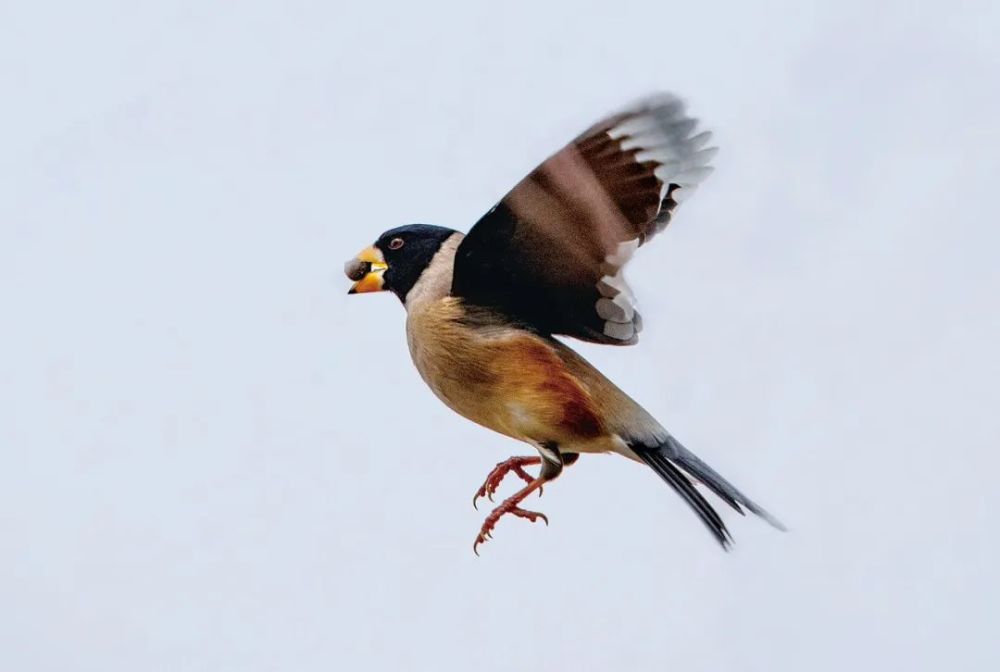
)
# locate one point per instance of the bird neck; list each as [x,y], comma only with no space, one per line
[435,282]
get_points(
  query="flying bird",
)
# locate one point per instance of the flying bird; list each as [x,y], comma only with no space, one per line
[483,309]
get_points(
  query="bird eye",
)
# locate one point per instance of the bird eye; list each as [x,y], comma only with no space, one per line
[395,243]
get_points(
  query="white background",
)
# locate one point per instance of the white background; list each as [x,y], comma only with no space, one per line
[213,459]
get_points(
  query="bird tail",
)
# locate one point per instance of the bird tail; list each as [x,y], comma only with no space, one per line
[668,458]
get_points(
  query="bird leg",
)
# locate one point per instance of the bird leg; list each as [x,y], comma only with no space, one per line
[492,482]
[510,505]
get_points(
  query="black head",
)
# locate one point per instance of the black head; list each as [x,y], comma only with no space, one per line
[397,259]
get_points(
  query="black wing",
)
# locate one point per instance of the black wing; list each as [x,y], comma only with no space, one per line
[552,251]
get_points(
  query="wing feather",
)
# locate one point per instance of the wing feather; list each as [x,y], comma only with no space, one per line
[552,251]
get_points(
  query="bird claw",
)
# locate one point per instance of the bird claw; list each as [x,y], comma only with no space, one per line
[532,516]
[481,538]
[509,506]
[496,476]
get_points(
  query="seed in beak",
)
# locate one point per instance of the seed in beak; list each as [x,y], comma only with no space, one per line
[355,269]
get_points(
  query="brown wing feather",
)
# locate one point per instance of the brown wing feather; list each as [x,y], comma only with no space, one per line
[551,251]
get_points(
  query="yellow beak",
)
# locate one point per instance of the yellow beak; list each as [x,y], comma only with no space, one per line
[366,270]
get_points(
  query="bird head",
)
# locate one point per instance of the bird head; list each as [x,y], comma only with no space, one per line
[396,260]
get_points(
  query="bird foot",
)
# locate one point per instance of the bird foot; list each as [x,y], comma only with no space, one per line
[510,505]
[492,482]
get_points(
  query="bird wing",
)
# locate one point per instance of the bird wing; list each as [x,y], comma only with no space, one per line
[551,252]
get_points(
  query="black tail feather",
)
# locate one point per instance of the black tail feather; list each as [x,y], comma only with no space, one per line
[669,459]
[679,482]
[692,464]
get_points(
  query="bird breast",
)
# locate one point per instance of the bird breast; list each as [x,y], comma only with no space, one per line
[499,376]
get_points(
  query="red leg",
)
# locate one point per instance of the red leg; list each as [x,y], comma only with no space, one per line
[492,482]
[510,505]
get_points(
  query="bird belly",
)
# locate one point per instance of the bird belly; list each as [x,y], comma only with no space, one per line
[508,380]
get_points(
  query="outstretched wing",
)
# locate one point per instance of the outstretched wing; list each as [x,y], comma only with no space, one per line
[551,252]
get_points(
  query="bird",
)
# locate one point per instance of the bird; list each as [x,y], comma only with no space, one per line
[488,312]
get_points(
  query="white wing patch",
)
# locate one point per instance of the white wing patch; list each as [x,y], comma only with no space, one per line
[617,305]
[619,331]
[661,131]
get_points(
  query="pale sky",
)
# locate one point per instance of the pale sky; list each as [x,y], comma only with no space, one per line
[214,459]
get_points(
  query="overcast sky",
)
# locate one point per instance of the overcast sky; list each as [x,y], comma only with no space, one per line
[213,459]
